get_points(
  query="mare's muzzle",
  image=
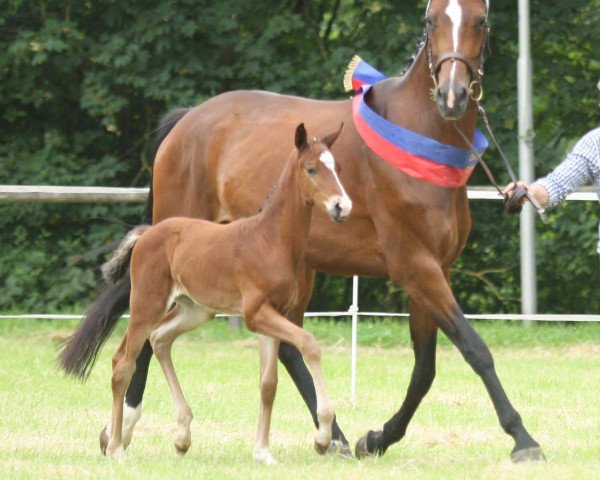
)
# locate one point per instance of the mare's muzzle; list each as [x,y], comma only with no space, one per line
[453,92]
[452,99]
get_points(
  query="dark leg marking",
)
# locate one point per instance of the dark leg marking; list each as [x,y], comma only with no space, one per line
[424,345]
[295,366]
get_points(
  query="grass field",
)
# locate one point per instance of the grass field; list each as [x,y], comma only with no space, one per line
[49,425]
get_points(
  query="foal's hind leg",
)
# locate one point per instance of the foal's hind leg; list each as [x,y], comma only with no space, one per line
[268,321]
[182,319]
[268,347]
[132,406]
[123,368]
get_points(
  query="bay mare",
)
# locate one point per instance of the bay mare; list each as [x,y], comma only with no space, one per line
[184,271]
[402,228]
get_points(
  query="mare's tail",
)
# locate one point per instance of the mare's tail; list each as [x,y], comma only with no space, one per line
[79,352]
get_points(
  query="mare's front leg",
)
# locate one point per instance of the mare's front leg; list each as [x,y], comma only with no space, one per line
[430,289]
[267,321]
[423,332]
[292,360]
[268,348]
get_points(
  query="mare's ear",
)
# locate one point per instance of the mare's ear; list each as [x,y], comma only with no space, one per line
[301,140]
[332,137]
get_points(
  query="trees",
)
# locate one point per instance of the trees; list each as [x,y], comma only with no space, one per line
[83,84]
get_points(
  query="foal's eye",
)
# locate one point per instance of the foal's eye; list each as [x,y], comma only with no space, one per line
[311,170]
[430,22]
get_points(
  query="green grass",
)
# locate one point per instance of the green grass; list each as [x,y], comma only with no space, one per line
[49,425]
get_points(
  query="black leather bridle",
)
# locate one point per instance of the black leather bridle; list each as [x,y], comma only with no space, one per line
[475,69]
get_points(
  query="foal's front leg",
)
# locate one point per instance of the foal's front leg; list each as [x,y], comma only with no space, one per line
[268,321]
[268,348]
[292,360]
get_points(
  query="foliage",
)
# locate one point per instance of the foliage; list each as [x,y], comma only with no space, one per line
[85,82]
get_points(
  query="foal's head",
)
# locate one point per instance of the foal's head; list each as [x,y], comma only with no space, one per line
[321,184]
[456,37]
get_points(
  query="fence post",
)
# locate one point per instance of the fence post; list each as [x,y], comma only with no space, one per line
[353,310]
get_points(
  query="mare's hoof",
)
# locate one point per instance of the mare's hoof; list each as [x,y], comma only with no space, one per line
[103,440]
[361,450]
[531,454]
[182,449]
[340,448]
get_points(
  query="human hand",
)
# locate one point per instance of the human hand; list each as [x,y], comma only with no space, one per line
[516,192]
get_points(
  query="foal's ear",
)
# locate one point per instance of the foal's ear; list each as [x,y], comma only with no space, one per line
[301,138]
[332,137]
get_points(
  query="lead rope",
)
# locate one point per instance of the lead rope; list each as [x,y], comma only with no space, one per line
[519,191]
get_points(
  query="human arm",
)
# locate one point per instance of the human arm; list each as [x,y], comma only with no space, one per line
[581,166]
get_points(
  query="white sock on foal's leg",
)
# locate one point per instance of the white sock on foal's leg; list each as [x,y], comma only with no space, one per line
[131,416]
[263,455]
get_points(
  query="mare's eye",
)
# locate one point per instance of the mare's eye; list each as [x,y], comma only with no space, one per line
[481,23]
[430,22]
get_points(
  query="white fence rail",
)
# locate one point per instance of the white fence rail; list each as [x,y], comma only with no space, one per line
[62,194]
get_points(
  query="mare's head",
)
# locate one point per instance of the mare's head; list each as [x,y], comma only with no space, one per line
[321,184]
[456,36]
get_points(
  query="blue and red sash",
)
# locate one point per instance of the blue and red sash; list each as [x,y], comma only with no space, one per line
[412,153]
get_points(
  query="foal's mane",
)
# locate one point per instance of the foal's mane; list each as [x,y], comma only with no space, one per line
[274,186]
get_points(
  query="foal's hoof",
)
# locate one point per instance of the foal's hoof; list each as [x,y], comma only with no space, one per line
[182,449]
[361,450]
[340,448]
[321,449]
[531,454]
[103,440]
[263,455]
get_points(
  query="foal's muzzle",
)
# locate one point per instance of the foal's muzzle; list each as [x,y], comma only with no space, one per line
[340,209]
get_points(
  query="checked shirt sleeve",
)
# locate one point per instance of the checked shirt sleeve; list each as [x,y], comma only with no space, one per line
[582,166]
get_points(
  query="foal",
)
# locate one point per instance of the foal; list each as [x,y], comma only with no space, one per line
[184,271]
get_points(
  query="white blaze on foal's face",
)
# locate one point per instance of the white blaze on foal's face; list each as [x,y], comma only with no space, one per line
[344,201]
[454,12]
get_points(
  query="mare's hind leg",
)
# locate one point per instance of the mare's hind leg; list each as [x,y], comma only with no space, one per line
[268,348]
[268,321]
[292,360]
[423,332]
[181,319]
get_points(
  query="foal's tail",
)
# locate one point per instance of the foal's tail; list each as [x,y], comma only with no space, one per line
[79,352]
[115,270]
